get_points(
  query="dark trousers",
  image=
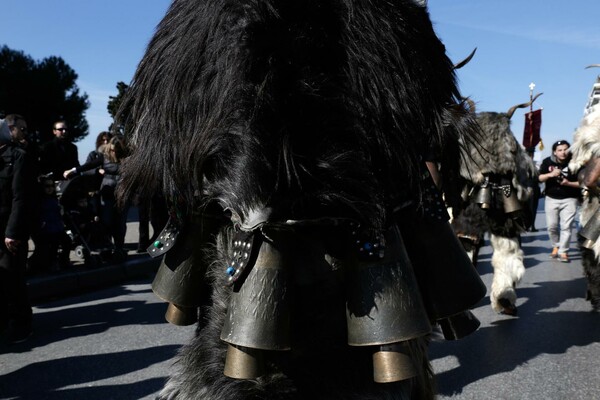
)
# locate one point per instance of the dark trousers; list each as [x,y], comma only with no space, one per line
[153,213]
[533,203]
[46,253]
[114,218]
[14,302]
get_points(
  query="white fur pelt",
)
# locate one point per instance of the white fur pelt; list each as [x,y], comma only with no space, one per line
[586,141]
[507,261]
[586,147]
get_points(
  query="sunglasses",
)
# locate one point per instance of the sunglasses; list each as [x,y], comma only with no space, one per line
[60,129]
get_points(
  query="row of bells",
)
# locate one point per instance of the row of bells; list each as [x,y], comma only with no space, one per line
[484,197]
[258,316]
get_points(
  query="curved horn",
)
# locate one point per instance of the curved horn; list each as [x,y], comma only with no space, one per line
[512,110]
[592,66]
[466,60]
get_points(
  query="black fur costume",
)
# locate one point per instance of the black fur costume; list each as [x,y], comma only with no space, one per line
[498,164]
[298,128]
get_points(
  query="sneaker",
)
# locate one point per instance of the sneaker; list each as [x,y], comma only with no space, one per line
[564,258]
[554,253]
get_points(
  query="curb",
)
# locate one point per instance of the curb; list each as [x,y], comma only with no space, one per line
[77,281]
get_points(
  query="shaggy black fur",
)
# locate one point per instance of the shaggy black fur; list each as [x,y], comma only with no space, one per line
[591,270]
[307,109]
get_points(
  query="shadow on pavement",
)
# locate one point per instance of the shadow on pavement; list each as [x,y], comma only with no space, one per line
[44,379]
[511,342]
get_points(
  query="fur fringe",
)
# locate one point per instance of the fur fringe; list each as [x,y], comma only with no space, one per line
[307,109]
[585,147]
[507,261]
[498,153]
[586,143]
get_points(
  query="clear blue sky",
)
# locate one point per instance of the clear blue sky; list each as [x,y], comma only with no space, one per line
[548,42]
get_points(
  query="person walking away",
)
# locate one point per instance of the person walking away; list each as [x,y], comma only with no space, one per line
[16,187]
[562,198]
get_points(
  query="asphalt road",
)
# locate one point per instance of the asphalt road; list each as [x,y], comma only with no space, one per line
[110,344]
[114,343]
[550,351]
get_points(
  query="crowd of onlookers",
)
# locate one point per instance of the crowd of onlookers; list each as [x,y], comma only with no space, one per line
[47,197]
[75,204]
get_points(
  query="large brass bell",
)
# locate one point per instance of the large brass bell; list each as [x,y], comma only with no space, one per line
[258,316]
[393,363]
[447,278]
[383,304]
[243,362]
[180,277]
[591,231]
[458,326]
[384,308]
[483,194]
[511,202]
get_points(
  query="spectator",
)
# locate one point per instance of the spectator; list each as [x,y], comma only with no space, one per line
[113,217]
[52,244]
[562,198]
[90,169]
[16,187]
[59,154]
[87,223]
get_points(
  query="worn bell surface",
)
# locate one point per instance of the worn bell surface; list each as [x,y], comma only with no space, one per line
[591,231]
[447,278]
[180,288]
[483,197]
[258,315]
[392,363]
[181,316]
[243,363]
[511,203]
[180,277]
[458,326]
[383,301]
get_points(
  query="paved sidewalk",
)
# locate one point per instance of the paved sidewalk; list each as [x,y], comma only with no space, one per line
[80,278]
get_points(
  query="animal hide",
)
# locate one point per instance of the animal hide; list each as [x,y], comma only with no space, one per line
[507,261]
[498,155]
[498,152]
[586,147]
[301,126]
[586,141]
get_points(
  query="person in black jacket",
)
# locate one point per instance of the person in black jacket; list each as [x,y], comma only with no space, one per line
[16,188]
[112,215]
[59,154]
[562,198]
[90,170]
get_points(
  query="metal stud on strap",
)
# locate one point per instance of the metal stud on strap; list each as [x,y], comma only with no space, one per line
[165,241]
